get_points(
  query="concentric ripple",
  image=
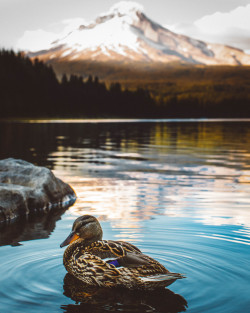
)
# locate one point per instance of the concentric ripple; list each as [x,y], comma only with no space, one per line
[214,269]
[30,280]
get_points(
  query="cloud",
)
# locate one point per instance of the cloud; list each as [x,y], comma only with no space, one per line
[39,39]
[230,28]
[35,40]
[238,18]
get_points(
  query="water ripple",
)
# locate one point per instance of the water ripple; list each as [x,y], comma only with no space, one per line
[29,277]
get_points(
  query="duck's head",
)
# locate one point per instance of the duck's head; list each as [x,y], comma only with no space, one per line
[85,227]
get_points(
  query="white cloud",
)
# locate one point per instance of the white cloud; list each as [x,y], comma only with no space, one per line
[238,18]
[230,28]
[35,40]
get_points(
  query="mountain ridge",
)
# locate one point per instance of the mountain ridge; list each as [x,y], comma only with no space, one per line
[126,34]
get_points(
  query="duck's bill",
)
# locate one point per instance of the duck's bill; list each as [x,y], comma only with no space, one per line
[71,237]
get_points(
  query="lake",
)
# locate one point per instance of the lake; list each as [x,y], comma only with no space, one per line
[179,190]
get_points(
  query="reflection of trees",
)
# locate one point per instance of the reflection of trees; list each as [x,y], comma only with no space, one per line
[34,142]
[32,227]
[122,300]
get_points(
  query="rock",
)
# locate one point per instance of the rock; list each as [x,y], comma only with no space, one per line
[26,188]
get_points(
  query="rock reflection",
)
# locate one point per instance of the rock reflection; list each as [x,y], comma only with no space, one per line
[32,227]
[102,299]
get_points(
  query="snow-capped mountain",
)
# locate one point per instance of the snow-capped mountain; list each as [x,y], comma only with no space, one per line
[126,34]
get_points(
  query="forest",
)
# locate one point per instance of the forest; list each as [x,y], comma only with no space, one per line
[31,88]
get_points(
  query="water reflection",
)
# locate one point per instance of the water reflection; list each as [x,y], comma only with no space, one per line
[34,142]
[198,169]
[122,300]
[29,227]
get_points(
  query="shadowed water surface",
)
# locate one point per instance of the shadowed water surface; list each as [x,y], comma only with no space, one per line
[177,190]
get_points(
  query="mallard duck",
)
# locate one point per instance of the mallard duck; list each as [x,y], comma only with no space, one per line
[108,263]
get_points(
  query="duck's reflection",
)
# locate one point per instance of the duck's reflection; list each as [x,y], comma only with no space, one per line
[90,299]
[30,227]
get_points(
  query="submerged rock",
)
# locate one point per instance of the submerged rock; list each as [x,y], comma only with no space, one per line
[26,188]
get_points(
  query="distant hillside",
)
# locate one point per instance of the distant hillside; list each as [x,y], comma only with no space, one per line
[31,88]
[216,90]
[158,72]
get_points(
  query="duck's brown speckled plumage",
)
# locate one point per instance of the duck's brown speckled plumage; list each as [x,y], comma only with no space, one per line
[85,259]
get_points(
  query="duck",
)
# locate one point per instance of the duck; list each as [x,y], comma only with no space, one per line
[107,263]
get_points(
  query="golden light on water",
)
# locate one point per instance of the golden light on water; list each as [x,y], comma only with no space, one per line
[123,182]
[120,201]
[115,199]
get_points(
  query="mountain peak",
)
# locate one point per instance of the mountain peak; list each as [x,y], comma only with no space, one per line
[125,8]
[126,34]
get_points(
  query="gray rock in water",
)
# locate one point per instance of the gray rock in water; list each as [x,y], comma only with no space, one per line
[26,188]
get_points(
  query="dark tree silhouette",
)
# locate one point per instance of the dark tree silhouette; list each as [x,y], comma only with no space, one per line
[30,88]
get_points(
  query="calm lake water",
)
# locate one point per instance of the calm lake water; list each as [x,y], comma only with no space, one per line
[179,190]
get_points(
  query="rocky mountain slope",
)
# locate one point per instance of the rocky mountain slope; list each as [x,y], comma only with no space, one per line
[125,34]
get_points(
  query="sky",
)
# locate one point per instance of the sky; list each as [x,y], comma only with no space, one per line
[222,21]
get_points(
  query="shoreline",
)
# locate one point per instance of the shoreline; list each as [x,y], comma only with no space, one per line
[119,120]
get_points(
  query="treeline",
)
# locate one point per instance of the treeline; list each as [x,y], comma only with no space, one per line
[31,89]
[198,91]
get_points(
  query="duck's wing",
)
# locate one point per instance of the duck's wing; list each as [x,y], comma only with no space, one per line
[92,270]
[142,263]
[146,271]
[136,260]
[111,249]
[126,255]
[128,246]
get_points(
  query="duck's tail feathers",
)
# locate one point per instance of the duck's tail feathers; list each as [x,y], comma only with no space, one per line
[162,277]
[162,280]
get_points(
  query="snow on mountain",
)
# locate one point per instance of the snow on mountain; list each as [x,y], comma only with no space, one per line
[109,32]
[126,34]
[125,8]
